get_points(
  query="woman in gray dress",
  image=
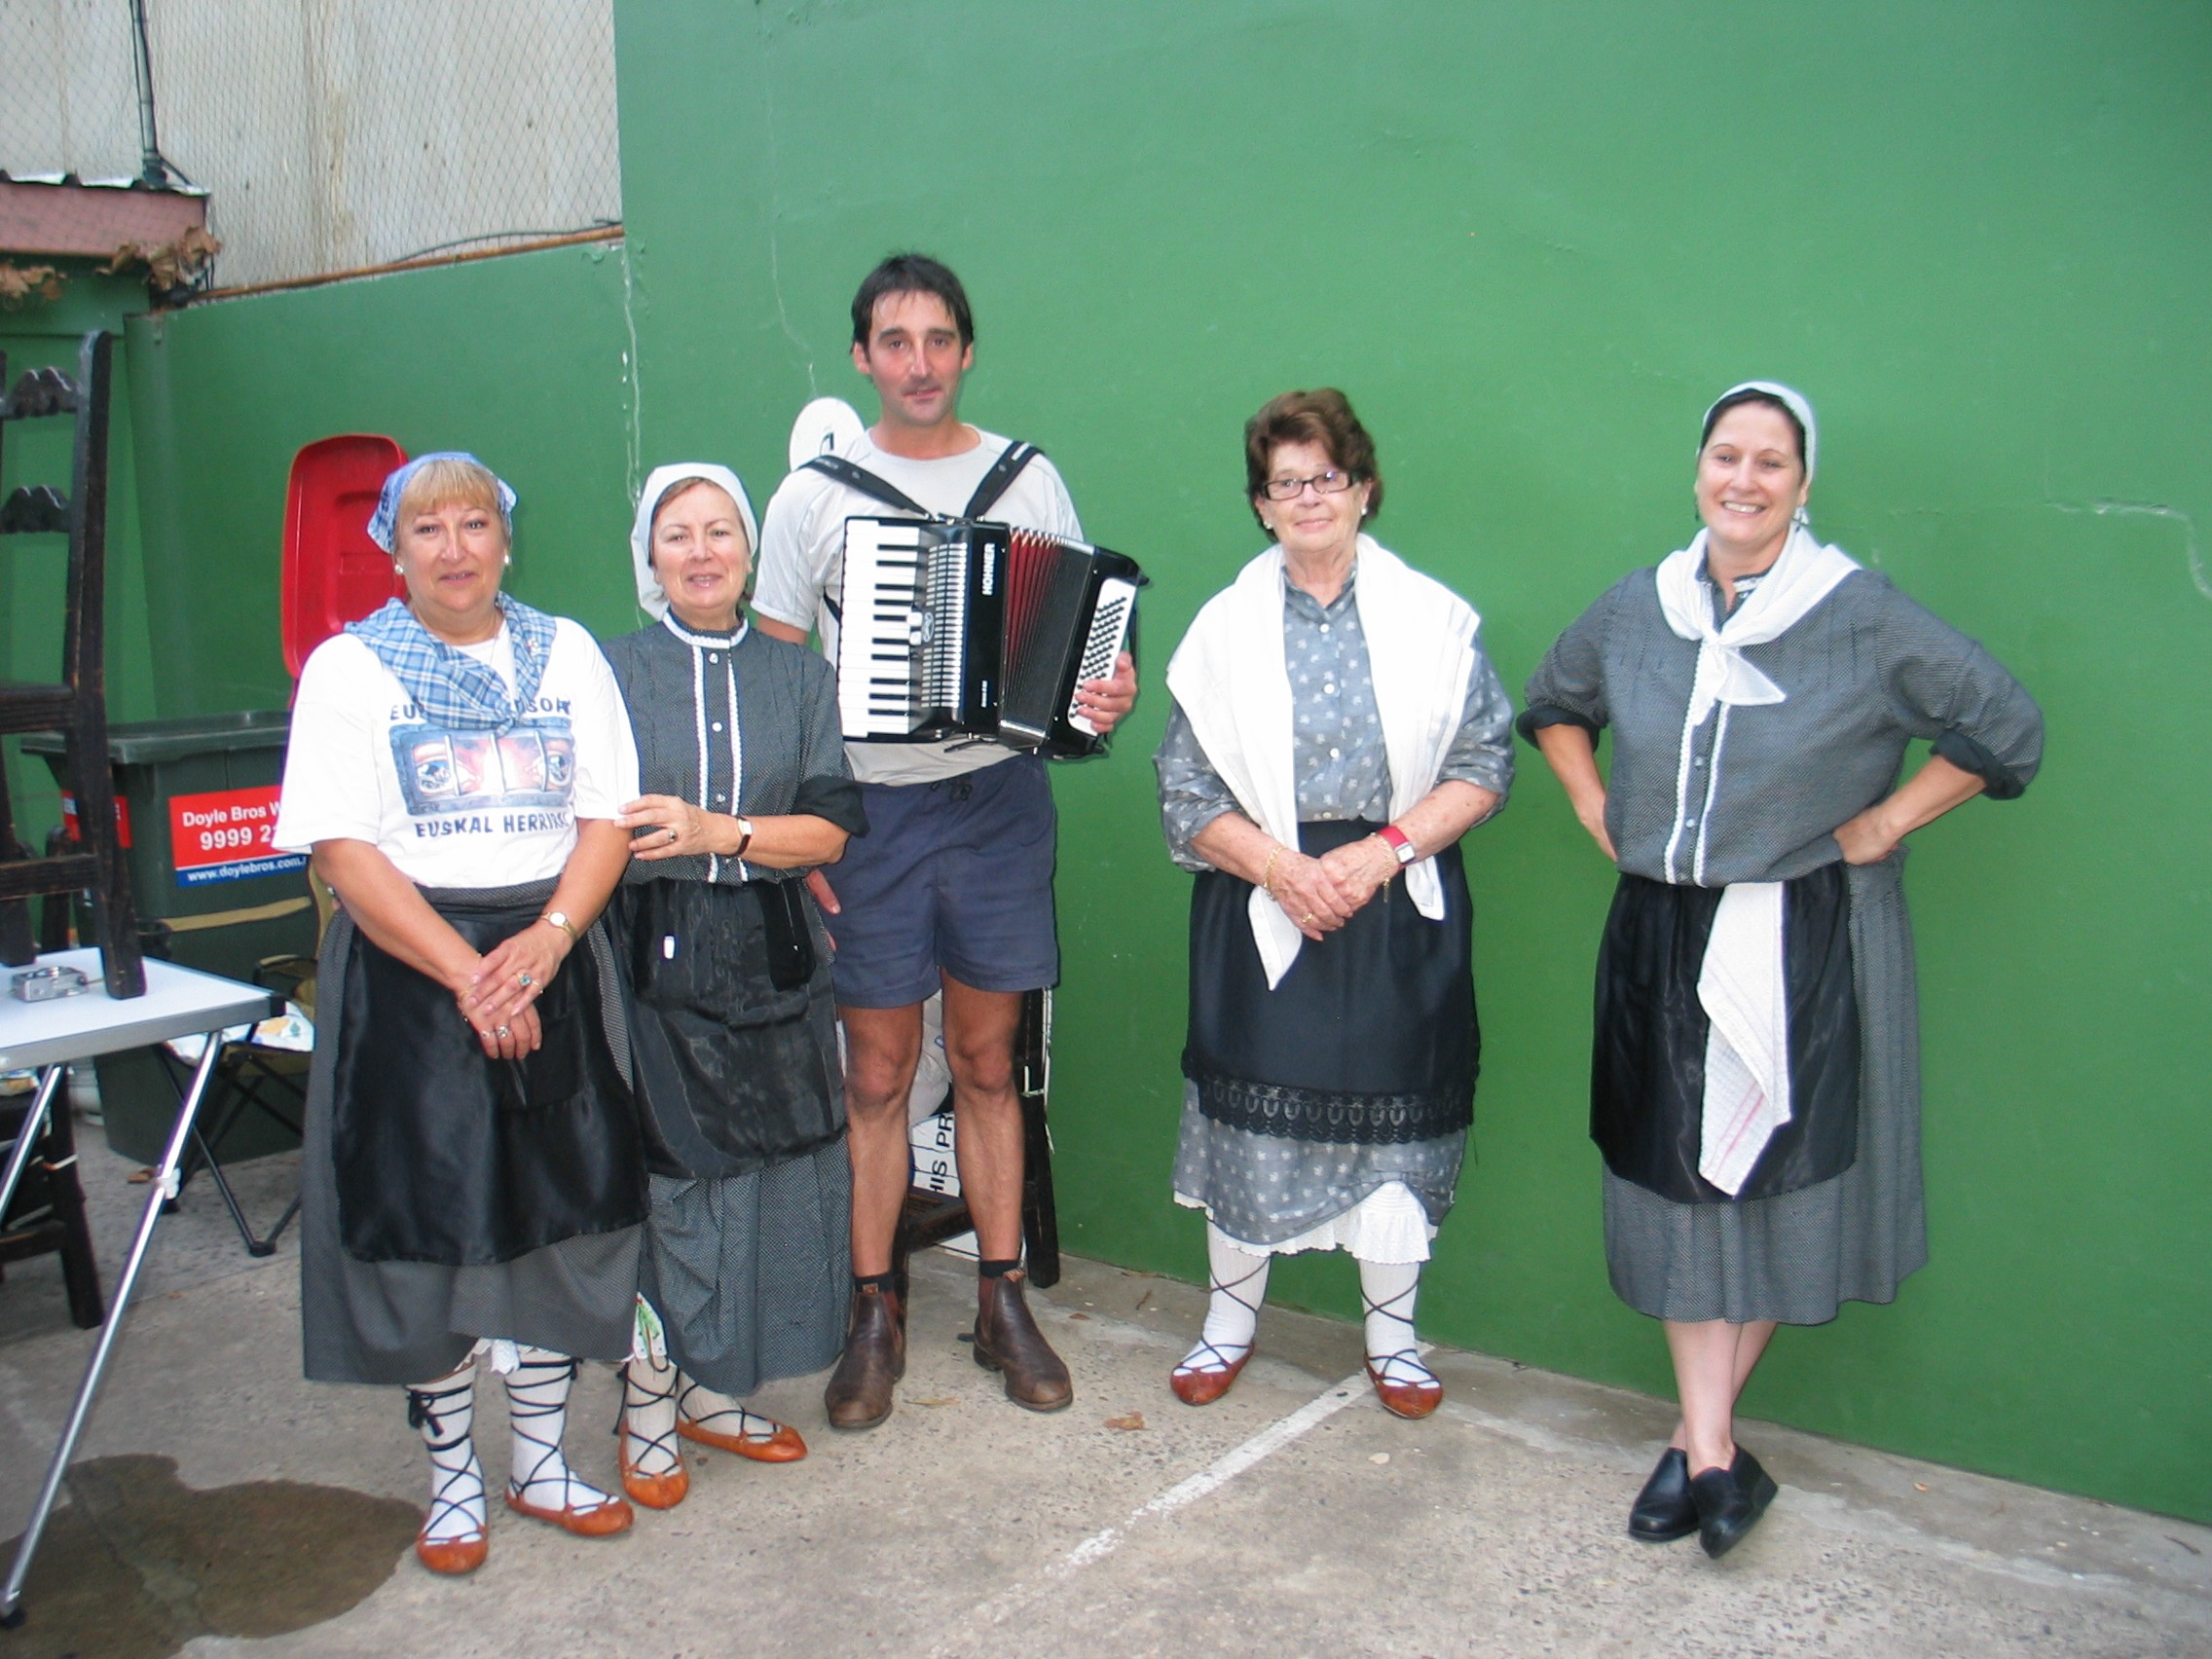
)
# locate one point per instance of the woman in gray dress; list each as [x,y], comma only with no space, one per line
[745,791]
[1756,1085]
[1337,728]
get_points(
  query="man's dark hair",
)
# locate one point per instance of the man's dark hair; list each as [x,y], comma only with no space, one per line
[911,274]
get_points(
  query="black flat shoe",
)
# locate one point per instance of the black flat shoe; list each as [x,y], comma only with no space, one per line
[1729,1502]
[1664,1510]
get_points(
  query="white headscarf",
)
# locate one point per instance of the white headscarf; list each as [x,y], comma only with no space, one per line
[651,596]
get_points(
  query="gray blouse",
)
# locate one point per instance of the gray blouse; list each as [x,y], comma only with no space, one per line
[765,714]
[1865,671]
[1341,768]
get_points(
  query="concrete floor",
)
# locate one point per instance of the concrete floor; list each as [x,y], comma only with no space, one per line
[1293,1517]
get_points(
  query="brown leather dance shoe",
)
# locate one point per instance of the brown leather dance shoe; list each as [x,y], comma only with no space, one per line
[590,1520]
[785,1446]
[452,1556]
[861,1390]
[1008,1340]
[1201,1386]
[1406,1400]
[655,1492]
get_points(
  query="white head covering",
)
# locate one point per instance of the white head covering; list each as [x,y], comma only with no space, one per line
[651,596]
[1796,403]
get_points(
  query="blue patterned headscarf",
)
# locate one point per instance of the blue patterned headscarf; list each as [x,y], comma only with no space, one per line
[452,689]
[384,522]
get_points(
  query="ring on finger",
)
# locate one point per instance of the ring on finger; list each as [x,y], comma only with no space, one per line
[504,1032]
[525,981]
[1306,920]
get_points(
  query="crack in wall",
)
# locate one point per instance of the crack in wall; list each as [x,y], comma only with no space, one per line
[2106,507]
[634,460]
[775,250]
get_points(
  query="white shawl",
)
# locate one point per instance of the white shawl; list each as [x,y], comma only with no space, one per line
[1230,678]
[1740,984]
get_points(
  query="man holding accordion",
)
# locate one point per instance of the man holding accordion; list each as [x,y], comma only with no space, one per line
[951,888]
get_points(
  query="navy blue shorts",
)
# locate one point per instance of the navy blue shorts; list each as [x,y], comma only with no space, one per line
[954,875]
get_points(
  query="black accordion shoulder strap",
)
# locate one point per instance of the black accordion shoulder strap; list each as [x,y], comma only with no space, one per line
[866,482]
[995,483]
[1000,479]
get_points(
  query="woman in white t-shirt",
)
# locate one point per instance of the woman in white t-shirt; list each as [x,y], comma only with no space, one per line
[473,1177]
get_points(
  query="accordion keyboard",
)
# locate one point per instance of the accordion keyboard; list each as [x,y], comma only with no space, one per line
[883,660]
[1102,647]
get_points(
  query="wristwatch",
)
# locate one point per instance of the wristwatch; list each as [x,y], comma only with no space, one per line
[1401,844]
[560,920]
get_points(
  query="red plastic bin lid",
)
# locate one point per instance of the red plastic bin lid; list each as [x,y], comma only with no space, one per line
[333,573]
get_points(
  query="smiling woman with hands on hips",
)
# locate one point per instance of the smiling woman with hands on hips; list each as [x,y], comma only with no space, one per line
[472,1177]
[1337,728]
[1755,1085]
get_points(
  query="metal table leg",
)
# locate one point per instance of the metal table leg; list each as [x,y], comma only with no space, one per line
[162,1187]
[33,1131]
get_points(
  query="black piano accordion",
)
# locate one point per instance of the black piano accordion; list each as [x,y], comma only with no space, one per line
[952,628]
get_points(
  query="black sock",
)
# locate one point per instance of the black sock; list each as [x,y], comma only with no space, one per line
[884,1282]
[997,1269]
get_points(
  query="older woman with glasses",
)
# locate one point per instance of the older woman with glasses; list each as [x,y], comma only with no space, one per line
[1337,728]
[473,1176]
[1755,1077]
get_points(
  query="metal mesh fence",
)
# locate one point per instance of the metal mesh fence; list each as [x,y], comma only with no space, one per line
[332,135]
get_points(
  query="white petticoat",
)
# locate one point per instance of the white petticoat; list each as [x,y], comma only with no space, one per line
[1388,1225]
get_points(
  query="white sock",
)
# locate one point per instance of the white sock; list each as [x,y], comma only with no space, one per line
[445,1413]
[649,1416]
[538,1410]
[1238,1284]
[719,1414]
[1390,1289]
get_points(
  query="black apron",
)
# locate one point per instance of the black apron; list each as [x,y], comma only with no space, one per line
[445,1155]
[733,1025]
[1648,1063]
[1371,1038]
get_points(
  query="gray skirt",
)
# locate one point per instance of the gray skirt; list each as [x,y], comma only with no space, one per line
[1796,1258]
[407,1322]
[752,1275]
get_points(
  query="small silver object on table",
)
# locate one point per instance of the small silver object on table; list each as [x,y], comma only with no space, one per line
[48,1034]
[47,983]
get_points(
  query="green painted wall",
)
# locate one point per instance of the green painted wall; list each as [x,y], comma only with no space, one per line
[34,568]
[1531,241]
[520,360]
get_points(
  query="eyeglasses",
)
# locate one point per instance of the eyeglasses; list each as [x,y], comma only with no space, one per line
[1329,483]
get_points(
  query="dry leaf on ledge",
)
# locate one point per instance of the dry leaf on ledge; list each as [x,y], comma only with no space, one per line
[1128,1421]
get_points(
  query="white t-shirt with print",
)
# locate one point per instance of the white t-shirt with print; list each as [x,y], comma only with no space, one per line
[456,808]
[802,566]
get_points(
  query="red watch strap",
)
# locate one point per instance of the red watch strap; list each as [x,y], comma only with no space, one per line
[1397,841]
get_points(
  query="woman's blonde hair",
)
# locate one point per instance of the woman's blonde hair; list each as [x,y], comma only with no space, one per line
[447,481]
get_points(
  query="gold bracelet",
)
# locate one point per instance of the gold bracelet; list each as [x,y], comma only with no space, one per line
[1268,874]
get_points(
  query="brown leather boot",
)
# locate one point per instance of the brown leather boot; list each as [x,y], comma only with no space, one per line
[1008,1339]
[859,1392]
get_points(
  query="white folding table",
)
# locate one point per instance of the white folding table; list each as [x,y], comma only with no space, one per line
[48,1036]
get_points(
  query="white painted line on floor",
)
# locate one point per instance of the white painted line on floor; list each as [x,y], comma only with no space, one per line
[1212,1478]
[1217,1474]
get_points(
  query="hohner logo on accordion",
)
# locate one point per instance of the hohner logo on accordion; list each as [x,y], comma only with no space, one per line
[952,628]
